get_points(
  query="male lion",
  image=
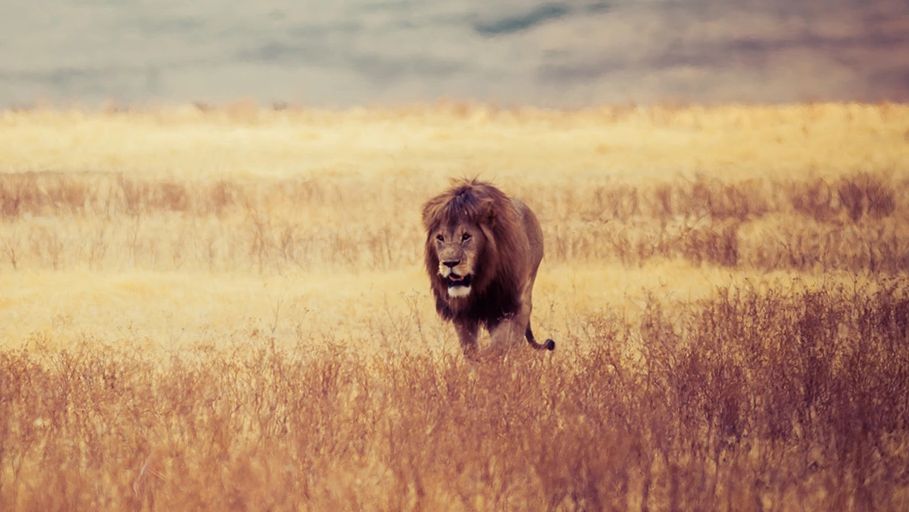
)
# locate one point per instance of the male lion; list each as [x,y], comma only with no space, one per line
[483,250]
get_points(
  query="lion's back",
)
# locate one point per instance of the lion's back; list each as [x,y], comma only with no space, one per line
[533,231]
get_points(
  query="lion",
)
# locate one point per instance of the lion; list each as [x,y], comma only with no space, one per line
[483,250]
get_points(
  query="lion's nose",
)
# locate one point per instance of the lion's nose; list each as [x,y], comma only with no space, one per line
[451,264]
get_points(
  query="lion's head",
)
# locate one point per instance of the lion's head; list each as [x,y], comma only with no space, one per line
[473,249]
[456,248]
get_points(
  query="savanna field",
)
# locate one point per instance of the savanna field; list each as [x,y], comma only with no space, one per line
[224,308]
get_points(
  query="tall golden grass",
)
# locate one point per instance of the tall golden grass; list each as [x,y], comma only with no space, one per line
[223,308]
[120,221]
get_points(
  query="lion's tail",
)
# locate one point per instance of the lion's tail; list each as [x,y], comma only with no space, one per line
[547,345]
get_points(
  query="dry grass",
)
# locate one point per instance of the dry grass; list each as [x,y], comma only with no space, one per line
[854,223]
[223,308]
[742,402]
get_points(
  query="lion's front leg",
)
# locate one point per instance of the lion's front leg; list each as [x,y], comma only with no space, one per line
[467,334]
[509,332]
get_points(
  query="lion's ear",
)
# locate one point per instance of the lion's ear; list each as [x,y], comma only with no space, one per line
[488,209]
[431,211]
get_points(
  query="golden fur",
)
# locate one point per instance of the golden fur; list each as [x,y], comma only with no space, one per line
[482,253]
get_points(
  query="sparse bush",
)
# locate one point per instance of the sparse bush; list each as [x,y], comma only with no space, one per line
[866,246]
[813,198]
[716,245]
[718,200]
[852,196]
[866,194]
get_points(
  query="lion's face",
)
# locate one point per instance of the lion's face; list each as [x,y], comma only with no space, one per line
[457,248]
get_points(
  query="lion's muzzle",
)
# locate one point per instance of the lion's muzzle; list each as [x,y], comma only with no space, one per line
[458,286]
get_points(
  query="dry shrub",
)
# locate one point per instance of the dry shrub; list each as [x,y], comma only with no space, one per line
[702,222]
[876,246]
[171,196]
[866,193]
[813,198]
[702,197]
[87,194]
[224,197]
[853,196]
[42,194]
[744,402]
[637,242]
[718,200]
[10,198]
[620,202]
[139,197]
[716,245]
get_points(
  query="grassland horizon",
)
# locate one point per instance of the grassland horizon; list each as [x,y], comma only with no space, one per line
[224,308]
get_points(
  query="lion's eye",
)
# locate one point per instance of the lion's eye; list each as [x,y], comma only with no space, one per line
[440,238]
[465,237]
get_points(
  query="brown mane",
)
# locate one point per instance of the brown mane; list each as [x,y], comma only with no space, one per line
[498,276]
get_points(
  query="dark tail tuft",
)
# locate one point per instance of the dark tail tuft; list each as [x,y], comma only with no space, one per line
[548,345]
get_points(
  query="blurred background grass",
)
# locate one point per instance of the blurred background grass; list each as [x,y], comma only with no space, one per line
[251,214]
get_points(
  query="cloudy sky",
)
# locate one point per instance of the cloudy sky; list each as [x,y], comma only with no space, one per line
[347,52]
